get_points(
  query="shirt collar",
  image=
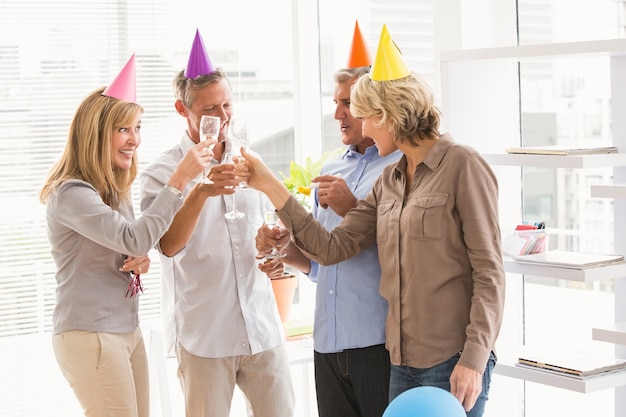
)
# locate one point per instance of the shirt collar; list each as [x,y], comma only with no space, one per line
[436,154]
[186,143]
[434,157]
[352,152]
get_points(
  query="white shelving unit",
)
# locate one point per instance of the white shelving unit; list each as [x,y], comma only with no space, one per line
[490,72]
[612,271]
[558,161]
[615,333]
[586,385]
[611,334]
[609,191]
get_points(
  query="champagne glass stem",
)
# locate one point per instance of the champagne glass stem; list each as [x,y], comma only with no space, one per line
[235,204]
[234,213]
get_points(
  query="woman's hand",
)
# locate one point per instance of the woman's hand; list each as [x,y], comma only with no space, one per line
[466,385]
[254,171]
[259,176]
[138,265]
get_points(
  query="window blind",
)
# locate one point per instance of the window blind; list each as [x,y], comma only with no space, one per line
[52,54]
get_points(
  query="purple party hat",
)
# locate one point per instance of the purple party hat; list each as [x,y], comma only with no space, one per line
[199,62]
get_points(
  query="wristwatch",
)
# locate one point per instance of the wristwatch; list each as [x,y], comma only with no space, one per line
[174,191]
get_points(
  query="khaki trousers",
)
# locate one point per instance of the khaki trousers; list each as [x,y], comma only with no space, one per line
[264,379]
[108,372]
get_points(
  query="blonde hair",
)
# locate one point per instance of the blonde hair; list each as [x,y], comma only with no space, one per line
[185,88]
[87,152]
[407,104]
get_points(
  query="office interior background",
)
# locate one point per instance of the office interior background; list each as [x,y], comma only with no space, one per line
[280,55]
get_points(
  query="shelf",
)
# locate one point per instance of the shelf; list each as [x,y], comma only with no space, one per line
[609,191]
[613,47]
[558,161]
[589,384]
[614,333]
[612,271]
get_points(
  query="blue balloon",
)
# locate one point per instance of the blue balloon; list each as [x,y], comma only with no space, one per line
[425,402]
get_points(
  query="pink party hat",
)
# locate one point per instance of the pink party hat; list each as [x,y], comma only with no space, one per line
[124,86]
[359,52]
[199,62]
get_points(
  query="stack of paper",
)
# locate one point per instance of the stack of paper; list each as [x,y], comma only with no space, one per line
[569,362]
[568,259]
[562,150]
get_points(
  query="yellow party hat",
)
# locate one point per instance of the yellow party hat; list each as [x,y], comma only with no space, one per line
[388,64]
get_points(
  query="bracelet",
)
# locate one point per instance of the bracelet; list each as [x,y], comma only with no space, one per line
[175,191]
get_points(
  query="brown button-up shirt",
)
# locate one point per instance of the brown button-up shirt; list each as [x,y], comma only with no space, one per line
[439,250]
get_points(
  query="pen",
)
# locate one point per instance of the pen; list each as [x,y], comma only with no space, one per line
[307,190]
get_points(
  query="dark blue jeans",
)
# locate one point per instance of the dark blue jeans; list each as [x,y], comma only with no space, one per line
[352,383]
[404,378]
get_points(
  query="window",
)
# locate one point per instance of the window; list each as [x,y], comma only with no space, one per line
[52,54]
[560,100]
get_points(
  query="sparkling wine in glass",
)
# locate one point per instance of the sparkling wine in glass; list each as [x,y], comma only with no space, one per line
[271,220]
[209,130]
[234,213]
[238,134]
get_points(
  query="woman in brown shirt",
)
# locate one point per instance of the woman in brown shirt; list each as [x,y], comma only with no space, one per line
[434,215]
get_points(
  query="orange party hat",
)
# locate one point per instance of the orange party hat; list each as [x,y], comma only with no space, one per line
[388,64]
[124,86]
[359,52]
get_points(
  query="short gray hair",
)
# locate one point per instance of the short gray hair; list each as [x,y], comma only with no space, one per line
[185,88]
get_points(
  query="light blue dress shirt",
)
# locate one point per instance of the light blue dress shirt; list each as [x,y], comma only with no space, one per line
[349,310]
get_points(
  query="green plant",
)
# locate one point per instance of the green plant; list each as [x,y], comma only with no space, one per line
[300,176]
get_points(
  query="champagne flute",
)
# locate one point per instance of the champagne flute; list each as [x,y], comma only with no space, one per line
[238,134]
[271,220]
[234,213]
[209,130]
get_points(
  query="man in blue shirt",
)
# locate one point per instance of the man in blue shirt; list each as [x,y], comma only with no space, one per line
[350,359]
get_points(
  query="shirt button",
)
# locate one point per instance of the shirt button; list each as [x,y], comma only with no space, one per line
[331,292]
